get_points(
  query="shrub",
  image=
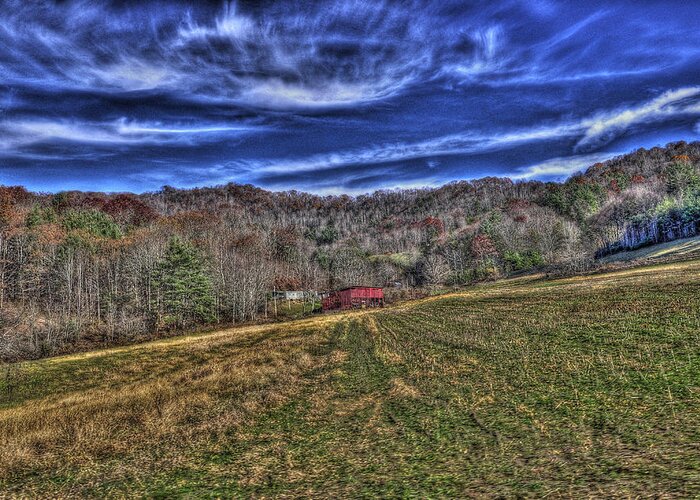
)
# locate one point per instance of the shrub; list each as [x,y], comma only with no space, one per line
[517,261]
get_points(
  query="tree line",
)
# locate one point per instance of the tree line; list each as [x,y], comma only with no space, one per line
[83,269]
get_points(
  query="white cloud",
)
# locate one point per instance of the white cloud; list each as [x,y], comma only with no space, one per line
[604,127]
[487,58]
[591,131]
[124,127]
[287,60]
[14,134]
[230,24]
[315,55]
[336,189]
[132,74]
[22,132]
[334,54]
[562,167]
[277,94]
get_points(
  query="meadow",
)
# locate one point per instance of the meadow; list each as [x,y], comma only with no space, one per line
[583,386]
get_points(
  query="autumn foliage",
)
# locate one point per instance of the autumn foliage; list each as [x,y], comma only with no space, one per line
[82,269]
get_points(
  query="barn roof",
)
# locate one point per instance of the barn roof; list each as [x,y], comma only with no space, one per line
[358,286]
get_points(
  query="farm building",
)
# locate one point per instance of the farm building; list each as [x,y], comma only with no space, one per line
[294,295]
[354,297]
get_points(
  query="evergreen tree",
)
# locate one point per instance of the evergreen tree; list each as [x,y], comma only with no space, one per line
[94,222]
[184,289]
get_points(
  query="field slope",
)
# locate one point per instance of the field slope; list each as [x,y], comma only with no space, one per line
[686,248]
[580,386]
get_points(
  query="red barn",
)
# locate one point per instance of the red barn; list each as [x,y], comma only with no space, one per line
[354,297]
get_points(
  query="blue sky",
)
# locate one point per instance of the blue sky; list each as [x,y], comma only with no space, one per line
[337,96]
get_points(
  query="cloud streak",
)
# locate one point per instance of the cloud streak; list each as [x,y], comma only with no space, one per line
[16,134]
[606,126]
[561,168]
[590,132]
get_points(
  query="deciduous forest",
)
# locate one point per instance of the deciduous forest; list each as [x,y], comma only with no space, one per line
[80,269]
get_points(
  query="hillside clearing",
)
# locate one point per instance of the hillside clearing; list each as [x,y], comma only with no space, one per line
[683,248]
[579,386]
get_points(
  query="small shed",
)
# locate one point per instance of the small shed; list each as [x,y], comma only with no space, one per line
[354,297]
[293,294]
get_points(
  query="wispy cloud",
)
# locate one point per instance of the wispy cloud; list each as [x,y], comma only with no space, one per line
[310,57]
[326,189]
[302,55]
[336,55]
[127,128]
[16,134]
[604,127]
[591,132]
[559,168]
[489,56]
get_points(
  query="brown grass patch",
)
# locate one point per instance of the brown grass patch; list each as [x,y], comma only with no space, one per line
[401,389]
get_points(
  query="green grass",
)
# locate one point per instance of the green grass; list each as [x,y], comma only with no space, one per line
[683,248]
[288,310]
[586,386]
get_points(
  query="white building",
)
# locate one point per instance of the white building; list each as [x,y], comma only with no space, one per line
[294,294]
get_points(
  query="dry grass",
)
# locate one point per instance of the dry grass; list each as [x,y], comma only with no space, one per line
[125,403]
[687,247]
[586,386]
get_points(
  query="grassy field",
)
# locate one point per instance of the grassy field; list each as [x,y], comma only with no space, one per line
[586,386]
[684,248]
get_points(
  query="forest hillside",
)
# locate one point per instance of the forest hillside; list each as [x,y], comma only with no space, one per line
[79,269]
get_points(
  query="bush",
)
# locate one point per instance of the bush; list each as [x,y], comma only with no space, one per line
[464,277]
[517,261]
[326,236]
[486,270]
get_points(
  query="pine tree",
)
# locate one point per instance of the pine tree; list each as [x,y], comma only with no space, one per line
[185,293]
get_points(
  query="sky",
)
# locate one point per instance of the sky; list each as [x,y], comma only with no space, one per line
[337,96]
